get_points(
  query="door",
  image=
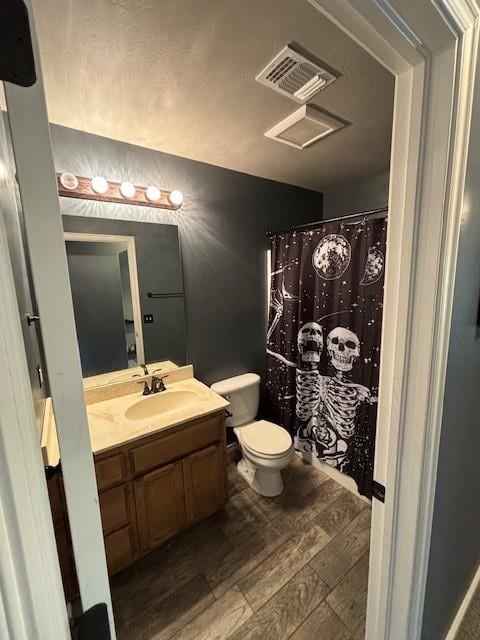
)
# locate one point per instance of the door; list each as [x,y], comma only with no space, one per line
[205,481]
[30,169]
[160,502]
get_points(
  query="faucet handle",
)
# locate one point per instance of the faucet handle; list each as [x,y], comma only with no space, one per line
[146,388]
[157,382]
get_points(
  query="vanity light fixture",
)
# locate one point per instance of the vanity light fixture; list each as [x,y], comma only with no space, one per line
[98,188]
[99,185]
[153,193]
[127,189]
[176,198]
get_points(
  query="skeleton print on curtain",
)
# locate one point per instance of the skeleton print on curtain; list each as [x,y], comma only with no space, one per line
[323,341]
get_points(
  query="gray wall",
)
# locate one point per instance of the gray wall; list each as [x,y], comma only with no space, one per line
[222,228]
[455,543]
[368,194]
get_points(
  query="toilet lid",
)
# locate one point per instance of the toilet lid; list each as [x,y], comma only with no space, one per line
[266,438]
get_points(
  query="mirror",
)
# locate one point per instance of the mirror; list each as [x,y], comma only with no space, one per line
[103,279]
[127,292]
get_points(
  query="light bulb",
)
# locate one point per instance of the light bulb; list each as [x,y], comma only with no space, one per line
[127,189]
[99,184]
[69,181]
[153,193]
[176,198]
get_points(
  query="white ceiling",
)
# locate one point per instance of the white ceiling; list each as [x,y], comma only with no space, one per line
[179,76]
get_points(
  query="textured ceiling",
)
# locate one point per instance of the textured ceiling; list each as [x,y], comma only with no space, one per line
[178,76]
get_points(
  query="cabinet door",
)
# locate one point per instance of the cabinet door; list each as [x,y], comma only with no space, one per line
[205,481]
[160,503]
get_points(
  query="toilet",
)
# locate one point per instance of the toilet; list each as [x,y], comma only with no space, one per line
[267,448]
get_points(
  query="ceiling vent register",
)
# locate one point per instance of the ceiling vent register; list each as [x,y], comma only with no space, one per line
[304,127]
[293,75]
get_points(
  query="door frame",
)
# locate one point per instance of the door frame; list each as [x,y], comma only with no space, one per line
[132,270]
[431,47]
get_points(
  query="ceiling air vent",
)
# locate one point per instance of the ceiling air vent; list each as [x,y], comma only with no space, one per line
[293,75]
[304,127]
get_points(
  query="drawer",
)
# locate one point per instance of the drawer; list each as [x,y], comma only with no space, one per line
[114,508]
[163,449]
[110,471]
[120,549]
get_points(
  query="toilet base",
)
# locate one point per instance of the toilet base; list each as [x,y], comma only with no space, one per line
[266,482]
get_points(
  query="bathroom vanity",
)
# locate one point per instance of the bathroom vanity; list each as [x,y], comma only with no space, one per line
[158,472]
[158,486]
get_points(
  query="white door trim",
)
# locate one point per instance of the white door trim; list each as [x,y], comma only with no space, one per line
[36,178]
[429,151]
[132,269]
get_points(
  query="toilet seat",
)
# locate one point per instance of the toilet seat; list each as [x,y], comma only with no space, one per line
[265,439]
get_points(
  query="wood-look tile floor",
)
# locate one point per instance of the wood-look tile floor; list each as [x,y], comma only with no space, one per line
[294,567]
[470,625]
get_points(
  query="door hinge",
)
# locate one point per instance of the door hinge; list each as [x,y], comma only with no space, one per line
[378,491]
[17,64]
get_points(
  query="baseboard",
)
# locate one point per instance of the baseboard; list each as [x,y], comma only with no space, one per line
[339,477]
[462,610]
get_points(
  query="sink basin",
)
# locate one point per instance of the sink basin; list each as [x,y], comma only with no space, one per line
[162,402]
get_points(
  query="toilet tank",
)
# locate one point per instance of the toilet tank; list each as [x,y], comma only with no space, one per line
[243,393]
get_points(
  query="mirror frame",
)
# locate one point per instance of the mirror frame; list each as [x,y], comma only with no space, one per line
[70,236]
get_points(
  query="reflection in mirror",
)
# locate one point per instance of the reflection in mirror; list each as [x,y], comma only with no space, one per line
[104,284]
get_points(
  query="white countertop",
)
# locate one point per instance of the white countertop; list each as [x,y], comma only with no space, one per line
[109,427]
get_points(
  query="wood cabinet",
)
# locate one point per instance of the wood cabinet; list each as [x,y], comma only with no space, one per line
[110,471]
[151,489]
[120,549]
[204,477]
[160,502]
[115,509]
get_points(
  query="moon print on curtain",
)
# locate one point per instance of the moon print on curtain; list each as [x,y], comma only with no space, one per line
[323,341]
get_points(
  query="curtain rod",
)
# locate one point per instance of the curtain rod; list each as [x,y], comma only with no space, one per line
[304,227]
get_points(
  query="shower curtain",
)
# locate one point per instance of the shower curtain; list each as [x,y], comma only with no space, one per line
[323,341]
